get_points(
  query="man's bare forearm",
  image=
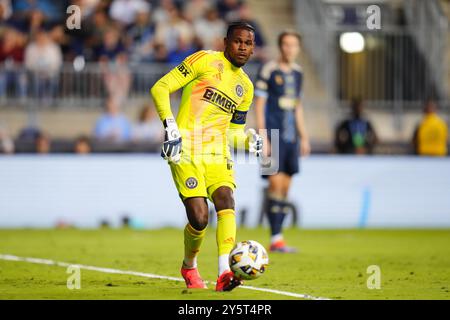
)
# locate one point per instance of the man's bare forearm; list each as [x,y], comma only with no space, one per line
[301,127]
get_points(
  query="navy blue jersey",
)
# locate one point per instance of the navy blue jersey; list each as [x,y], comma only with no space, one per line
[282,91]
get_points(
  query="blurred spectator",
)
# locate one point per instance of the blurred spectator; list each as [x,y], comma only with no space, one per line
[113,57]
[28,134]
[140,37]
[98,25]
[82,145]
[102,4]
[170,31]
[148,128]
[161,13]
[124,11]
[58,35]
[111,47]
[112,126]
[42,143]
[184,49]
[30,16]
[228,9]
[27,23]
[356,134]
[51,10]
[148,30]
[5,10]
[160,53]
[43,57]
[12,50]
[77,41]
[431,135]
[210,30]
[87,7]
[245,14]
[6,142]
[196,9]
[114,32]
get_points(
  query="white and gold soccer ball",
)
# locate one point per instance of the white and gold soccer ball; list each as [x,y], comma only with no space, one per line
[248,260]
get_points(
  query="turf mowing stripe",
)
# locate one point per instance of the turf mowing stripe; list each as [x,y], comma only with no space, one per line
[9,257]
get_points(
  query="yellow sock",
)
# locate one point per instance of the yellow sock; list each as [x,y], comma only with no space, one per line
[225,236]
[192,242]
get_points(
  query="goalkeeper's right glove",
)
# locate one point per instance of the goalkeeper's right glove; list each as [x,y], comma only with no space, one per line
[171,148]
[255,142]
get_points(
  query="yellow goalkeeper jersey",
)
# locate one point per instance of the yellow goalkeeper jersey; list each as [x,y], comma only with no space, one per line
[214,103]
[432,136]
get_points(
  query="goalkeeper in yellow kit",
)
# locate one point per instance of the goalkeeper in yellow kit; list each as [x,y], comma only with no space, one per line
[216,97]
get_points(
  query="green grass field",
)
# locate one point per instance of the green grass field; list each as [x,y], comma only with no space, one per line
[415,264]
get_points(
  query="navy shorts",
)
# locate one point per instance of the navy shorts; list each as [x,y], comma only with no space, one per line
[288,159]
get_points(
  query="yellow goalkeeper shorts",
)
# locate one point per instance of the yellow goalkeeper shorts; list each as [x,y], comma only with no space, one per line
[202,176]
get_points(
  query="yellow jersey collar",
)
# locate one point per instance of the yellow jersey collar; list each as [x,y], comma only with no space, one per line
[228,62]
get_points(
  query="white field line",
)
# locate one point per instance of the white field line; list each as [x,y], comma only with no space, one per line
[9,257]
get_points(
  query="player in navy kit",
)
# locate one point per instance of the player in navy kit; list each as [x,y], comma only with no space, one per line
[278,107]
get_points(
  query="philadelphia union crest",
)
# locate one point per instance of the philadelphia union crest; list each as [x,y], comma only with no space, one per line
[191,183]
[239,90]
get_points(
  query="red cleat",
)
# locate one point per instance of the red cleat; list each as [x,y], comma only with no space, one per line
[227,281]
[280,246]
[192,278]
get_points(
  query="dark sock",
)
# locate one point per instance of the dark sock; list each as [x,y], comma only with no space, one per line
[276,215]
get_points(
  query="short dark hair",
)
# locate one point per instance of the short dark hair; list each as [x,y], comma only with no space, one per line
[286,33]
[239,25]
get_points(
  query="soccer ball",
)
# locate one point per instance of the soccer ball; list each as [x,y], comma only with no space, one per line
[248,260]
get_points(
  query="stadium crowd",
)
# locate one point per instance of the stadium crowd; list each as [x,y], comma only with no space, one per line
[41,35]
[35,42]
[117,30]
[36,39]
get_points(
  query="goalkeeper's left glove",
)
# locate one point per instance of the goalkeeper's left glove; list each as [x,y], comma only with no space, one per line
[255,142]
[171,148]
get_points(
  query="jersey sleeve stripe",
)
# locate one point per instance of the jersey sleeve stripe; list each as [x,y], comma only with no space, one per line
[188,61]
[197,58]
[194,56]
